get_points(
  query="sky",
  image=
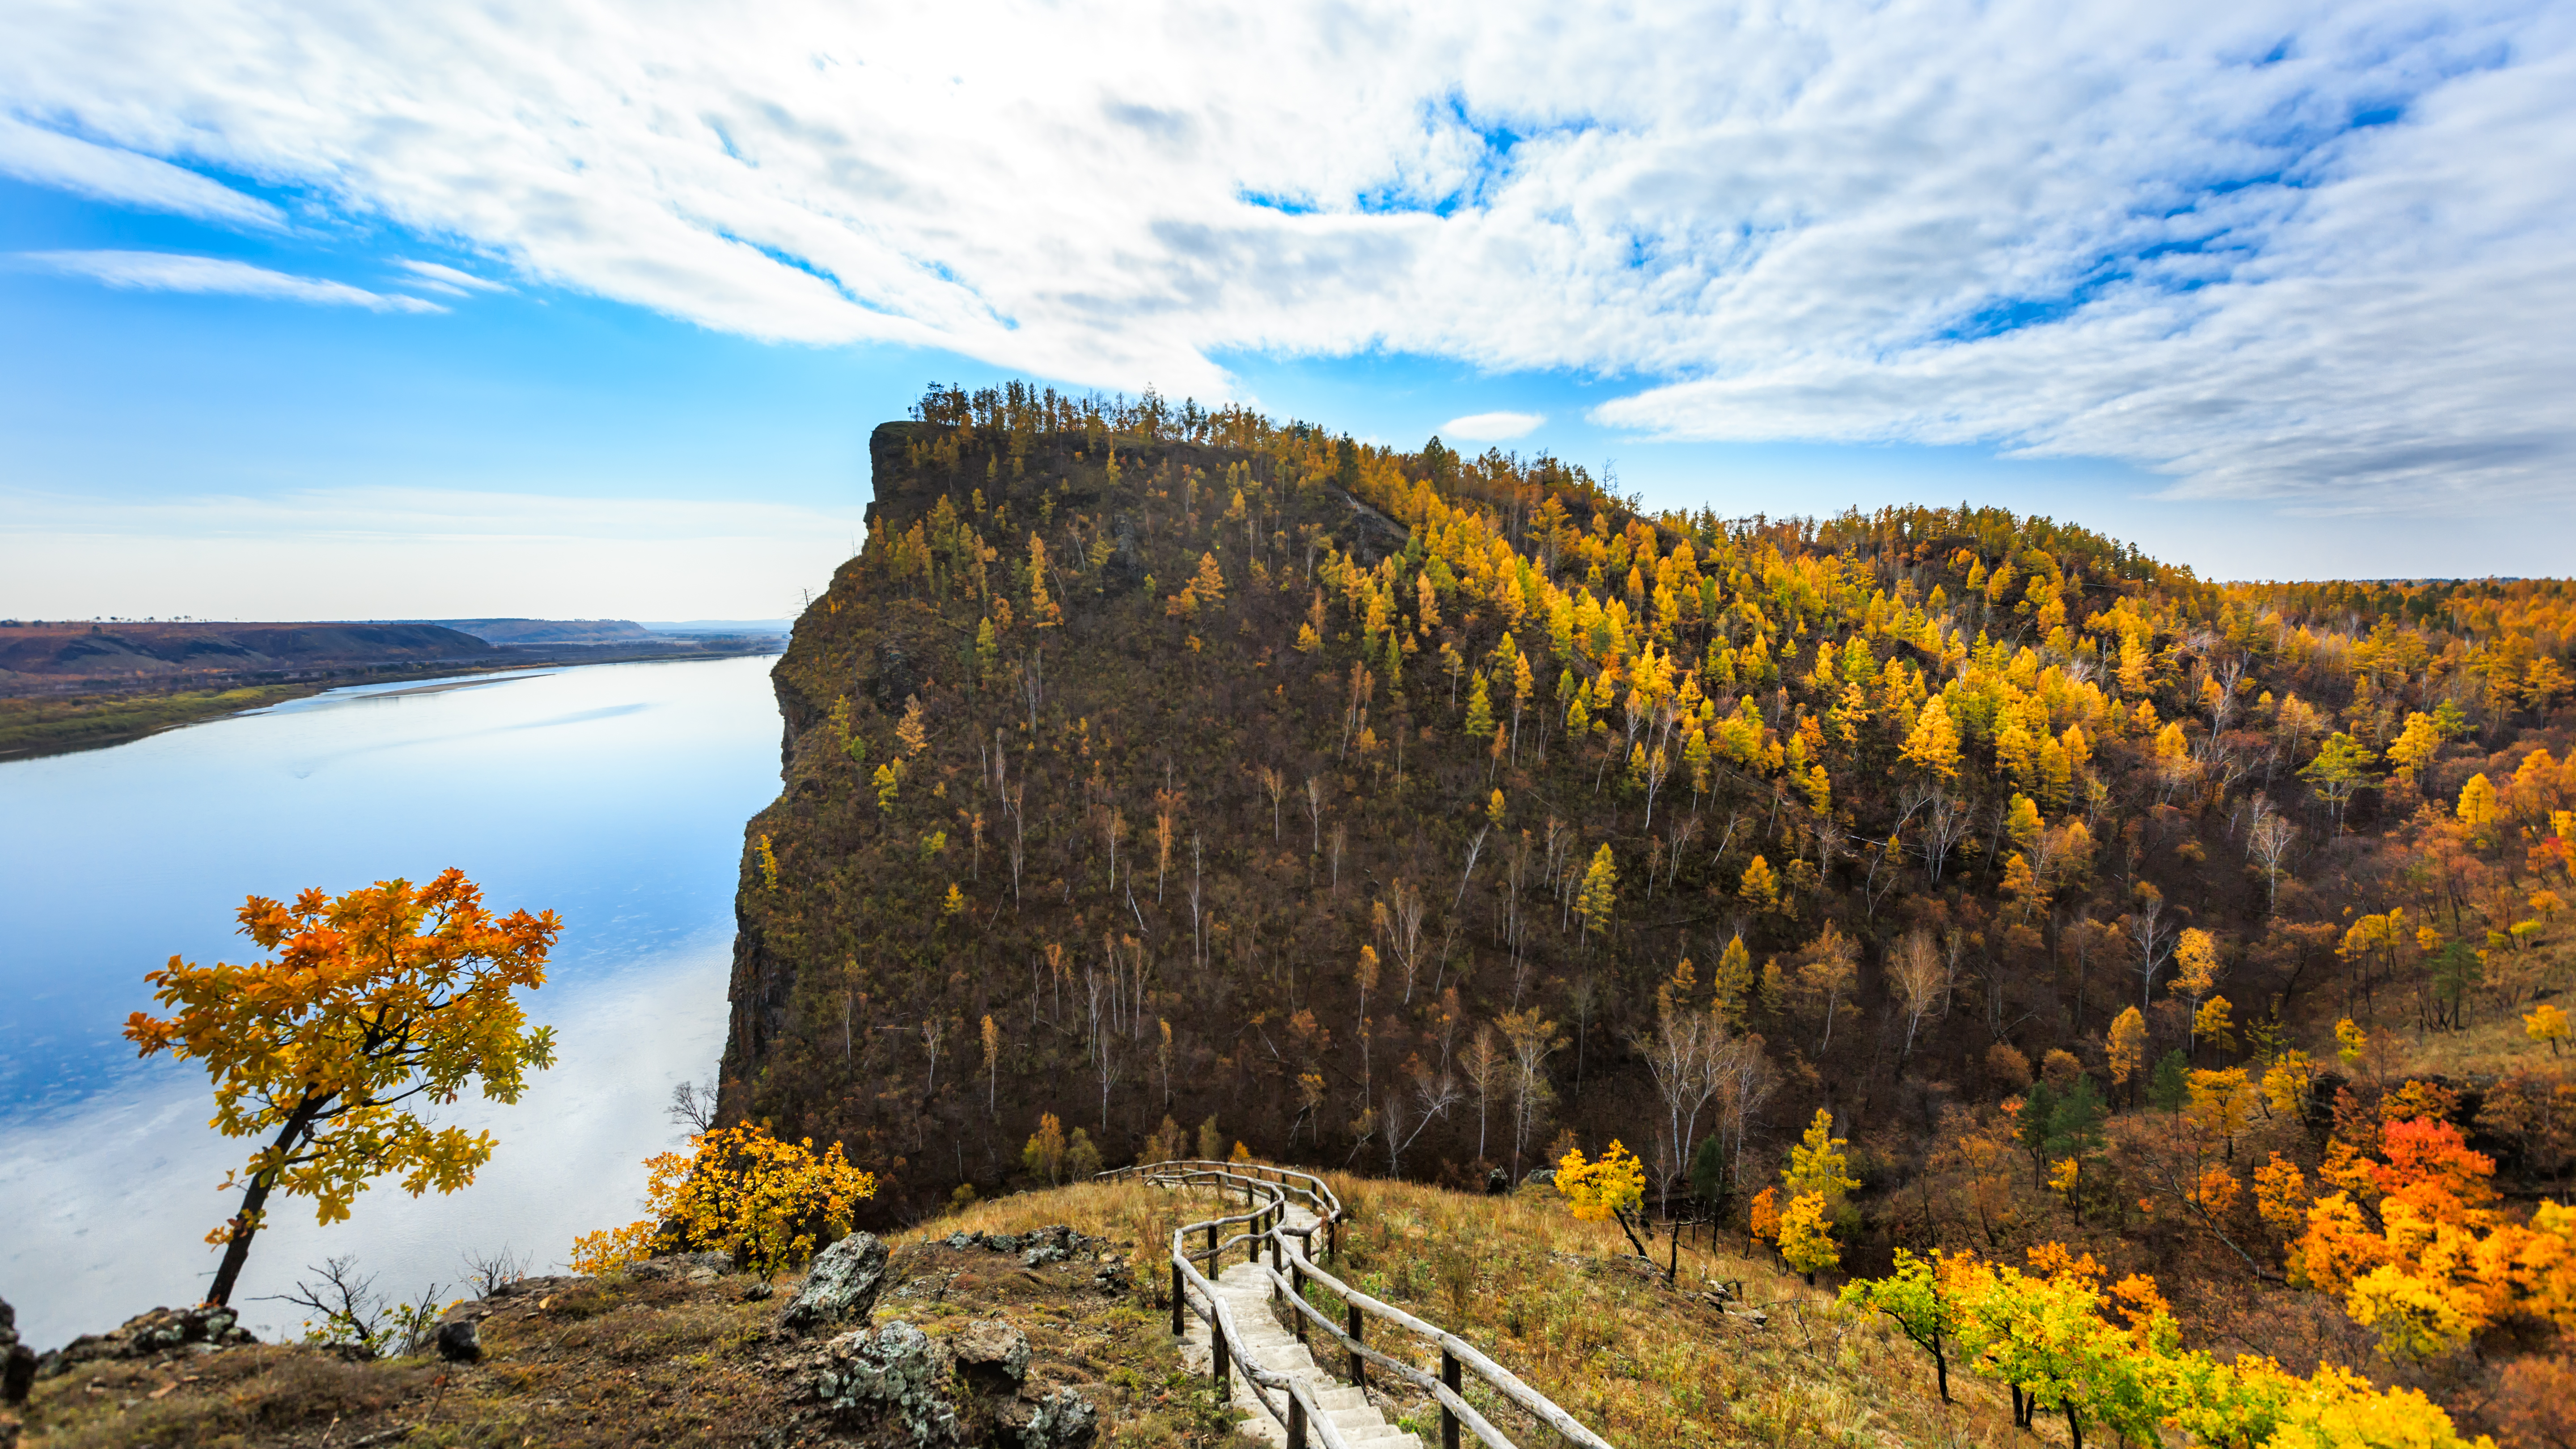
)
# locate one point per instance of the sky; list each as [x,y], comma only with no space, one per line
[355,309]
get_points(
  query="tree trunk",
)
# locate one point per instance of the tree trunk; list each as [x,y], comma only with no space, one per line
[237,1248]
[1941,1369]
[246,1222]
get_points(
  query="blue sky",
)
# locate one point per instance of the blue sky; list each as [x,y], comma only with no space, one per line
[457,315]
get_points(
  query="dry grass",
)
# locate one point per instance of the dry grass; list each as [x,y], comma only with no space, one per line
[2487,1049]
[624,1361]
[1568,1307]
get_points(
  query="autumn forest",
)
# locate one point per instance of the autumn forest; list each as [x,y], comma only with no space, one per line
[1963,905]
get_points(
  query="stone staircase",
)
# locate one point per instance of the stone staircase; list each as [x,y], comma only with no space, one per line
[1247,1289]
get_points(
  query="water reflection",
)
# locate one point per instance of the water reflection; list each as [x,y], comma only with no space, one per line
[614,795]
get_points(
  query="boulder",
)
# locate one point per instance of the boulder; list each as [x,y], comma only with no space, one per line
[889,1376]
[992,1357]
[17,1361]
[1062,1420]
[460,1341]
[682,1267]
[841,1287]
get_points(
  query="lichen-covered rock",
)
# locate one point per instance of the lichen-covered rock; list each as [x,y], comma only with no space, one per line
[992,1356]
[682,1268]
[163,1330]
[1002,1242]
[887,1377]
[1062,1420]
[842,1286]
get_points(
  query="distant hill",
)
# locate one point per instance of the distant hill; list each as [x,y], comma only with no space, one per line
[125,650]
[612,631]
[778,627]
[550,631]
[81,684]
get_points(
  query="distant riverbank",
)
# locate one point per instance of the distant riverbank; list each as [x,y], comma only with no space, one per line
[99,713]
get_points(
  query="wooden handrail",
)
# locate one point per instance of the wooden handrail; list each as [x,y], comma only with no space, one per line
[1303,1409]
[1261,1181]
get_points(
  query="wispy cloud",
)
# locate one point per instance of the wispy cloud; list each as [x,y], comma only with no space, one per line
[1491,427]
[2282,248]
[50,158]
[447,279]
[179,272]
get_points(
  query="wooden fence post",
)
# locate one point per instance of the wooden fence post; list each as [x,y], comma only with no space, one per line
[1179,1301]
[1296,1421]
[1448,1380]
[1359,1370]
[1216,1343]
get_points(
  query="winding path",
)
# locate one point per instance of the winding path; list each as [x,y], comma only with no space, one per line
[1247,1293]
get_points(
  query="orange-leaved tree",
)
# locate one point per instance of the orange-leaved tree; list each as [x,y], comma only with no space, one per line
[741,1191]
[376,998]
[2413,1240]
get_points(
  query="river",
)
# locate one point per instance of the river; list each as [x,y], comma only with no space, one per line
[614,795]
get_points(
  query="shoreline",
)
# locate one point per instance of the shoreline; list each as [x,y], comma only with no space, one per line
[40,726]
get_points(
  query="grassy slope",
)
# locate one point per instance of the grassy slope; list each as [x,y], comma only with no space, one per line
[1567,1306]
[619,1361]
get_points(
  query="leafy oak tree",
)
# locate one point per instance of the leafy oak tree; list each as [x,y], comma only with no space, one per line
[376,998]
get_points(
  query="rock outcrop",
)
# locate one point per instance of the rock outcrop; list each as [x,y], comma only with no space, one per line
[897,1383]
[17,1361]
[149,1335]
[885,1377]
[842,1286]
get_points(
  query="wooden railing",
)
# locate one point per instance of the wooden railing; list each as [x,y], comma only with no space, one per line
[1266,1191]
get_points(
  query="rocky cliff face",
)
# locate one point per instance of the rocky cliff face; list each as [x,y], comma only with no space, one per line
[1085,776]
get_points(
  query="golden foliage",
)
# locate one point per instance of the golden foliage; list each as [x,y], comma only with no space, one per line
[375,997]
[739,1190]
[1601,1190]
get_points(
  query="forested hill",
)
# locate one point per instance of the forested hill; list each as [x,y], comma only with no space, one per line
[1416,812]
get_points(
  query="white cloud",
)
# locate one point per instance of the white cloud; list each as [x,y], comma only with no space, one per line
[2145,232]
[448,279]
[178,272]
[364,552]
[50,158]
[1491,427]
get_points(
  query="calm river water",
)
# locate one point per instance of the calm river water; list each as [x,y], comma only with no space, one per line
[614,795]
